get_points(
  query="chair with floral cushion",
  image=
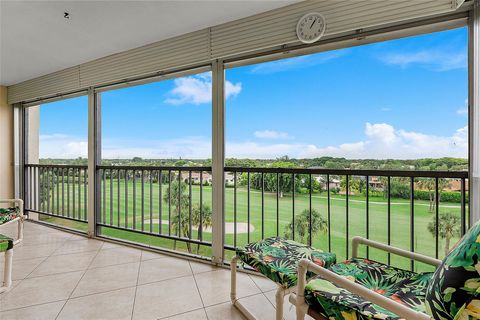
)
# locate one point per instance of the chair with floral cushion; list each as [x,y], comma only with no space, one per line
[277,259]
[11,215]
[364,289]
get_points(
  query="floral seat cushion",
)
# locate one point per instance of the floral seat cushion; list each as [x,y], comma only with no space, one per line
[277,258]
[333,302]
[8,214]
[6,243]
[454,292]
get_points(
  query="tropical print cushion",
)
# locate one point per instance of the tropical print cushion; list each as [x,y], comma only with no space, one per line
[454,292]
[8,214]
[277,258]
[334,302]
[6,243]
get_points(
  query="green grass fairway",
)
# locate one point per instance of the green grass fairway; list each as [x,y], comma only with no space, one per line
[114,209]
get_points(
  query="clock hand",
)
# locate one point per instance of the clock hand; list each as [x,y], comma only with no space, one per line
[313,23]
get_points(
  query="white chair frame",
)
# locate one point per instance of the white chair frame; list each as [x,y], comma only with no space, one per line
[7,272]
[279,295]
[298,298]
[19,220]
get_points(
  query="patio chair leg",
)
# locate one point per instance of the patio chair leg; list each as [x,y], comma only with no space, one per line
[279,296]
[20,232]
[233,280]
[233,291]
[7,272]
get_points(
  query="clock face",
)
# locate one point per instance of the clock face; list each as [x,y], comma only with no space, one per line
[310,27]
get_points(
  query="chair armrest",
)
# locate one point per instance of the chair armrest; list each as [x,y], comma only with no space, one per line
[18,203]
[384,302]
[356,241]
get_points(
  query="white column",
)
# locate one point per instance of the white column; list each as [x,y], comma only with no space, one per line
[93,157]
[474,103]
[18,150]
[218,160]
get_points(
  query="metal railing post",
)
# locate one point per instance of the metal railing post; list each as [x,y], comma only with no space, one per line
[474,112]
[94,150]
[218,160]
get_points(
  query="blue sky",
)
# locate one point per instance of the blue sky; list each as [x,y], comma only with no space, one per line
[404,98]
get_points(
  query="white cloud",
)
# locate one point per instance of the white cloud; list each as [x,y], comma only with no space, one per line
[186,148]
[463,111]
[435,59]
[385,109]
[198,90]
[297,62]
[62,146]
[271,134]
[384,141]
[381,131]
[232,90]
[380,141]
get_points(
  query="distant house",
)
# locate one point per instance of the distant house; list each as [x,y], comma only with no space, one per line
[206,177]
[229,179]
[375,183]
[333,183]
[455,185]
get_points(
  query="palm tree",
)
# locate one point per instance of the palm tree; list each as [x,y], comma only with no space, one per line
[430,185]
[184,230]
[448,227]
[179,199]
[206,217]
[302,225]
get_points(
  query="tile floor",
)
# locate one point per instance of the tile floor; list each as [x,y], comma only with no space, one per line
[58,275]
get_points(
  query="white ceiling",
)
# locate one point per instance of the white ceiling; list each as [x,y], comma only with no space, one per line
[36,39]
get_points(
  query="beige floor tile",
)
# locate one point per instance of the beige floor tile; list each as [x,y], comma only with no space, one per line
[199,267]
[107,278]
[192,315]
[115,305]
[163,269]
[264,283]
[39,290]
[64,263]
[110,245]
[166,298]
[85,245]
[260,306]
[35,227]
[47,311]
[37,251]
[215,286]
[8,228]
[288,308]
[148,255]
[116,256]
[223,311]
[77,237]
[45,238]
[22,268]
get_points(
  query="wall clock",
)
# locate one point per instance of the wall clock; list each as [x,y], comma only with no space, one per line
[311,27]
